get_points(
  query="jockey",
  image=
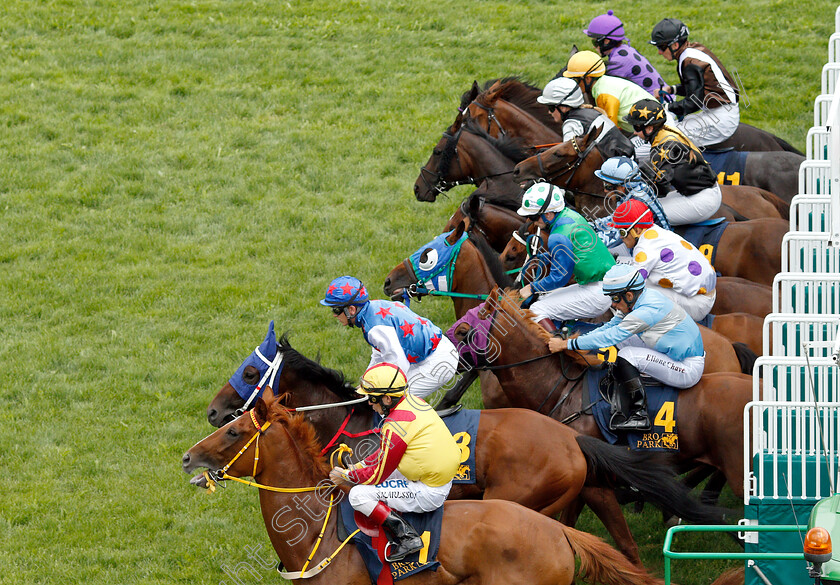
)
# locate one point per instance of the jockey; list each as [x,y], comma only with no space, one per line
[623,181]
[669,264]
[413,468]
[614,95]
[573,249]
[396,334]
[709,113]
[622,60]
[565,104]
[673,348]
[676,166]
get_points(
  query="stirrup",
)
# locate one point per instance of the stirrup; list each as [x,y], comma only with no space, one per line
[400,555]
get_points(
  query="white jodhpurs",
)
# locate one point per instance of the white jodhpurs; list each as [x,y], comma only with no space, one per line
[435,371]
[575,301]
[399,494]
[708,127]
[650,362]
[682,210]
[697,306]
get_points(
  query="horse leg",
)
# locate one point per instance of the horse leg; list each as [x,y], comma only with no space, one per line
[602,501]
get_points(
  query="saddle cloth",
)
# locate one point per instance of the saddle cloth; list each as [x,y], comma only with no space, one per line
[662,409]
[373,550]
[704,236]
[728,165]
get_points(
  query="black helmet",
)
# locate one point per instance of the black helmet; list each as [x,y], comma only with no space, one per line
[647,112]
[667,31]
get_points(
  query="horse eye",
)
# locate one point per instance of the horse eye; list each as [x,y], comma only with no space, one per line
[232,433]
[437,152]
[428,259]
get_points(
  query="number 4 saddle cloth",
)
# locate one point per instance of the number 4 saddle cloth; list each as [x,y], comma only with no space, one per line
[662,411]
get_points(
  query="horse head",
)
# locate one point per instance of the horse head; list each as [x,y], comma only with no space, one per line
[275,368]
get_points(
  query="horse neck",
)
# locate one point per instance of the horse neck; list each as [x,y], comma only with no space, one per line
[585,180]
[528,385]
[481,159]
[326,421]
[517,122]
[293,520]
[471,276]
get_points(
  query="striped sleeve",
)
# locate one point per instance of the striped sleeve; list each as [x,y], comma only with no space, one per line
[381,464]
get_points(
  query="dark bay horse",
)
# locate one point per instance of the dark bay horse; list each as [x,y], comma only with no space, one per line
[561,465]
[710,414]
[508,107]
[489,542]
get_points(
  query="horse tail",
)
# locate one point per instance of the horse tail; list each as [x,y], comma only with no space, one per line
[746,357]
[601,563]
[643,472]
[787,146]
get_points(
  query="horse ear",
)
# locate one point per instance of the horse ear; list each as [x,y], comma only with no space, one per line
[457,232]
[593,133]
[261,410]
[474,90]
[269,345]
[460,332]
[474,205]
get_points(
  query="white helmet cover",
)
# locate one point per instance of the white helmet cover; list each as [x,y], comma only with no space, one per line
[536,196]
[562,91]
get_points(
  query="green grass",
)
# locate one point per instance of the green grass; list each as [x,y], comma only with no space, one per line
[176,174]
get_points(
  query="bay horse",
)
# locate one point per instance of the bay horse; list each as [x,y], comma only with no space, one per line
[508,107]
[747,249]
[710,414]
[576,161]
[477,271]
[561,465]
[492,542]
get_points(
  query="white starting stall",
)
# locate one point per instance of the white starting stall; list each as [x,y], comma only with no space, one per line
[791,427]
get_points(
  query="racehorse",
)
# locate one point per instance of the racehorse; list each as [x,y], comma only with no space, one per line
[576,161]
[747,249]
[508,107]
[710,414]
[472,275]
[489,542]
[561,465]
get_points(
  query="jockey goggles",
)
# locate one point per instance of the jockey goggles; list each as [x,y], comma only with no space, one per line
[625,231]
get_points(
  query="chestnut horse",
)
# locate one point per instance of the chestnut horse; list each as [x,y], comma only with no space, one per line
[489,542]
[560,467]
[747,249]
[509,107]
[710,414]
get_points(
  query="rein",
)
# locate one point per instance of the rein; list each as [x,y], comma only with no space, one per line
[571,167]
[212,477]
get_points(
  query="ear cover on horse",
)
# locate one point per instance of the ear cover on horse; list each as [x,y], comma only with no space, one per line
[268,348]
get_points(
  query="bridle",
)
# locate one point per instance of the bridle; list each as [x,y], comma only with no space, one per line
[570,168]
[435,181]
[491,116]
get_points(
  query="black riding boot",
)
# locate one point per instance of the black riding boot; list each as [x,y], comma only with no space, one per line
[629,382]
[403,539]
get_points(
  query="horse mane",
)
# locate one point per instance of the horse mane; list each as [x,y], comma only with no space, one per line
[302,433]
[524,96]
[509,146]
[491,257]
[335,380]
[509,300]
